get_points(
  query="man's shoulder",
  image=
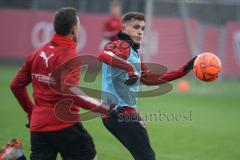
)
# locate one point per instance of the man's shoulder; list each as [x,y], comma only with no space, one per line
[42,48]
[56,49]
[120,44]
[119,47]
[58,53]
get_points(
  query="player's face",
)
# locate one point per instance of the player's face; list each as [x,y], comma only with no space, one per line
[135,29]
[76,30]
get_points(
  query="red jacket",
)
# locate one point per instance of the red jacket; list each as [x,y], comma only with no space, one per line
[37,70]
[111,28]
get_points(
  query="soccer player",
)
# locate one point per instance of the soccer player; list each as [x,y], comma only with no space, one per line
[113,24]
[122,73]
[49,134]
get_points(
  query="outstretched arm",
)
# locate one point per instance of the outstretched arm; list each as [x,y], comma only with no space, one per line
[66,82]
[149,78]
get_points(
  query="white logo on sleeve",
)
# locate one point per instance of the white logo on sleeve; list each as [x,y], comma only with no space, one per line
[43,55]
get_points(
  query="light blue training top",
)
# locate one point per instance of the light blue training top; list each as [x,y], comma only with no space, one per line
[114,91]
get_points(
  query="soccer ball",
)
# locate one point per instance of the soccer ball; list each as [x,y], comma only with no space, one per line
[207,67]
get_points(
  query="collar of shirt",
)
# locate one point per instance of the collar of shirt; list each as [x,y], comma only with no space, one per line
[61,40]
[125,37]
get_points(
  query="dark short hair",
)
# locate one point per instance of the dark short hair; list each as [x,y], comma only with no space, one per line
[132,16]
[65,18]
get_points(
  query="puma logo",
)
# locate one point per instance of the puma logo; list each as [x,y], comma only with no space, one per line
[43,55]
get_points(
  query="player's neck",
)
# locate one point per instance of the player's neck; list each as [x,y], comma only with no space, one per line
[127,38]
[70,36]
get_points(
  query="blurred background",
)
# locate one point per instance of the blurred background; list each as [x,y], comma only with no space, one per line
[176,30]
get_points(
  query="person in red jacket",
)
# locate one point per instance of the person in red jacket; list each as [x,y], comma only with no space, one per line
[113,24]
[49,133]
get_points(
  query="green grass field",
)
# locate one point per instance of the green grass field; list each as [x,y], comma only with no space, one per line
[213,133]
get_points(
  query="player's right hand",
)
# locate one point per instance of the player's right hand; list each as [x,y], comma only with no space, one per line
[132,80]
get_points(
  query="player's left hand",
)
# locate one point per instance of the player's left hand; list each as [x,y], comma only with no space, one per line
[189,65]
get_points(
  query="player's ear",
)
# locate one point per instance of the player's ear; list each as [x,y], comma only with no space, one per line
[74,33]
[123,28]
[74,30]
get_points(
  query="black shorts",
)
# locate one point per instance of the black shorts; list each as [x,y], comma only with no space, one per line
[131,133]
[73,143]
